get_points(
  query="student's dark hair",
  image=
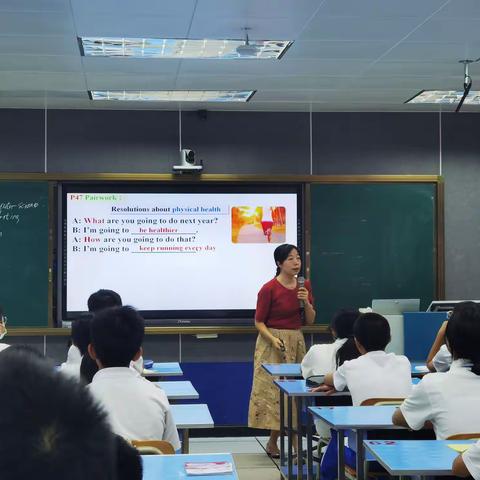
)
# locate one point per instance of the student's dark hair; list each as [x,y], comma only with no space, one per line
[88,369]
[129,462]
[372,331]
[103,299]
[81,333]
[50,426]
[22,348]
[281,253]
[117,335]
[342,323]
[463,333]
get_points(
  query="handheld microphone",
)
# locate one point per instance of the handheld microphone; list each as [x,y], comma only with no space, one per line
[301,284]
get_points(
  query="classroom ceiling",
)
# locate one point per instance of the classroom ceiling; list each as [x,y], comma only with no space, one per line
[348,55]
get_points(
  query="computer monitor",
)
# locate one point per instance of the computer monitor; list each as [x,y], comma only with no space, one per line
[445,305]
[395,306]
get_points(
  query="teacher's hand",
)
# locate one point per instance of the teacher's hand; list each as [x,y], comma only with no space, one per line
[302,294]
[278,344]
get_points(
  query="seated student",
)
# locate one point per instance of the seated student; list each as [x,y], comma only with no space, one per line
[375,374]
[3,329]
[439,358]
[51,428]
[129,461]
[467,464]
[326,357]
[103,299]
[138,410]
[80,341]
[449,400]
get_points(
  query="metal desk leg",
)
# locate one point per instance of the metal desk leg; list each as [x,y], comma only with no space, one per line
[282,429]
[299,401]
[341,454]
[360,455]
[289,438]
[309,446]
[185,441]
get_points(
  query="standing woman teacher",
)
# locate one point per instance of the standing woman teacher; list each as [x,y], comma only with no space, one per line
[278,318]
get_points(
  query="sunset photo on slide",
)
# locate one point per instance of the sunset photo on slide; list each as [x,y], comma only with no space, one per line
[258,224]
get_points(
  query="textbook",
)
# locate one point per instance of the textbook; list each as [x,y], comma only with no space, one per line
[459,447]
[208,468]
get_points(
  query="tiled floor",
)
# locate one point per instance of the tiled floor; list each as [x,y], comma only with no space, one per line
[250,458]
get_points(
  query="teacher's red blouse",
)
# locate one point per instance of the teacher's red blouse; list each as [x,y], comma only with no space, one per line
[279,307]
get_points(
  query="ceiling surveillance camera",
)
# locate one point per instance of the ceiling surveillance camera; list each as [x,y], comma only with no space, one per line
[188,164]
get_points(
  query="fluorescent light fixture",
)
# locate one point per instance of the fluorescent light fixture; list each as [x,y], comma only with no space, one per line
[182,48]
[173,95]
[445,97]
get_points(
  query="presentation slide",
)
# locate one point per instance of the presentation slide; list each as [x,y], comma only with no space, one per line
[174,251]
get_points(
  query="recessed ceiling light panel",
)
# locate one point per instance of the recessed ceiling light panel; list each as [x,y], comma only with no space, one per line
[445,97]
[182,48]
[173,95]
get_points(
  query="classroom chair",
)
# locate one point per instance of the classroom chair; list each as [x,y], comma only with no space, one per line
[153,447]
[378,402]
[464,436]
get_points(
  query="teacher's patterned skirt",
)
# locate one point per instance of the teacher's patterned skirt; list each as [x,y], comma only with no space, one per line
[264,409]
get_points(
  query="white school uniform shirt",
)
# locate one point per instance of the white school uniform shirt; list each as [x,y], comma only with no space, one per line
[442,359]
[375,375]
[448,399]
[321,359]
[136,408]
[471,458]
[3,346]
[71,367]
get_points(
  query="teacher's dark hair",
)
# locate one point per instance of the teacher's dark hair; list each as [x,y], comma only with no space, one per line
[281,253]
[342,323]
[463,333]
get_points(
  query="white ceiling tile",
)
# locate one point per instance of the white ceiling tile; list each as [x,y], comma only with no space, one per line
[39,45]
[359,29]
[322,66]
[141,25]
[267,19]
[140,66]
[35,23]
[464,9]
[34,6]
[336,50]
[448,30]
[129,9]
[41,81]
[433,51]
[381,8]
[412,69]
[107,81]
[40,63]
[263,82]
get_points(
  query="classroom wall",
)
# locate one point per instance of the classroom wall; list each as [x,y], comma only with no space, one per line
[264,143]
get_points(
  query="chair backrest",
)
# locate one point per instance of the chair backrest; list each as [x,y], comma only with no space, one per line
[381,401]
[153,447]
[464,436]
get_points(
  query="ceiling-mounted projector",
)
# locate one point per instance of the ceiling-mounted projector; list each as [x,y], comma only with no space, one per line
[188,163]
[247,50]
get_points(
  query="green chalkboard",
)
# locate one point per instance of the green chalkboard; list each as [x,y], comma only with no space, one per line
[24,231]
[372,241]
